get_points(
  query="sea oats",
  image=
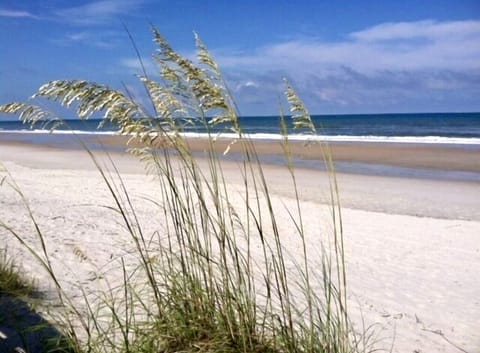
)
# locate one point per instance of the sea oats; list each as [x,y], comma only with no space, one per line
[216,275]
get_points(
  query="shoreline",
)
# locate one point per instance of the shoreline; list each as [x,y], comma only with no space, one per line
[413,160]
[392,194]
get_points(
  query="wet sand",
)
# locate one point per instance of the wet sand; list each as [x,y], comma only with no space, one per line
[411,155]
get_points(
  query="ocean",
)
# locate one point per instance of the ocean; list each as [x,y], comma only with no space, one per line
[449,128]
[459,130]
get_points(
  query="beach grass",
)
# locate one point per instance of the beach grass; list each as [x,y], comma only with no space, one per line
[22,327]
[218,276]
[12,280]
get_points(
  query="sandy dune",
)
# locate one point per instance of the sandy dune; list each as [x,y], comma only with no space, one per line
[412,246]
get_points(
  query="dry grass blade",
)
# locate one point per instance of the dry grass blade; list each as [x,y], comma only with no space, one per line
[33,115]
[300,117]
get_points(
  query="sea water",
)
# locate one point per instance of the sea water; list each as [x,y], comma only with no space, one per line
[455,128]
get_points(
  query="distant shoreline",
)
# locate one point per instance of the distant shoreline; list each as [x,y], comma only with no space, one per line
[413,160]
[420,140]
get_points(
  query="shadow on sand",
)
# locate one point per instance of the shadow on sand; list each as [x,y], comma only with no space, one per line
[24,330]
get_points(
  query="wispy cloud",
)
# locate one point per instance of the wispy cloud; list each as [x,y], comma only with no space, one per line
[385,64]
[16,14]
[134,66]
[421,29]
[102,39]
[401,46]
[98,12]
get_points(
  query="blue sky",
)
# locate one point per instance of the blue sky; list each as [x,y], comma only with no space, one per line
[341,56]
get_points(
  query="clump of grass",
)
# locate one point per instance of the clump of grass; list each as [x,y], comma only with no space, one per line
[12,279]
[218,276]
[22,329]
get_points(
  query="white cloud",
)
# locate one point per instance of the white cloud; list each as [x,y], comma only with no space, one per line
[330,95]
[385,64]
[77,37]
[419,45]
[421,29]
[98,12]
[131,63]
[135,66]
[99,39]
[16,14]
[248,84]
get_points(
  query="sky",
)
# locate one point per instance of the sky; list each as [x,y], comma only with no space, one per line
[342,57]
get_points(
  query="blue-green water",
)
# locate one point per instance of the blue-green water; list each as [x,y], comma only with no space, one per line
[426,127]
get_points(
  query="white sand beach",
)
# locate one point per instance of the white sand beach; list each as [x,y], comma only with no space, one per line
[412,245]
